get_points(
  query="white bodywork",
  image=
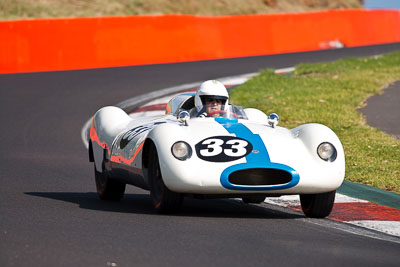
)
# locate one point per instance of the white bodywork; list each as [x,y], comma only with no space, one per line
[120,140]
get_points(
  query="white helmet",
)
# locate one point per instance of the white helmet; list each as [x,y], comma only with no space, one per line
[210,89]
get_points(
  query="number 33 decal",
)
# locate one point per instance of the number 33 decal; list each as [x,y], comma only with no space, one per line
[223,148]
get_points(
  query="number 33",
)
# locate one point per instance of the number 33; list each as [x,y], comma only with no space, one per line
[234,147]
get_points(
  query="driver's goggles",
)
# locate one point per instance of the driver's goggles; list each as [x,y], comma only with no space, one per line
[213,100]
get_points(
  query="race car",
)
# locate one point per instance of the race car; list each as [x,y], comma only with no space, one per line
[236,153]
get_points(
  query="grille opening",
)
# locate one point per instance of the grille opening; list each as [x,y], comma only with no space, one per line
[260,177]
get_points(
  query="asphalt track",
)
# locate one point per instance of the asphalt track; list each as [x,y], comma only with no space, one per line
[383,111]
[50,214]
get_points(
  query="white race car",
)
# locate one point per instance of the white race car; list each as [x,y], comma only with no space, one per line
[240,153]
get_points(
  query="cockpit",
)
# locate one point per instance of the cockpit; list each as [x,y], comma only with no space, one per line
[185,102]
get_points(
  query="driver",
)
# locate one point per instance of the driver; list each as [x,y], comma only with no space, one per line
[211,99]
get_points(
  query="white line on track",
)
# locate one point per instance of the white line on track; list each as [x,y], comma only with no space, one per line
[233,80]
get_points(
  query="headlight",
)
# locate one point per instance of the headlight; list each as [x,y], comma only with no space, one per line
[181,150]
[327,151]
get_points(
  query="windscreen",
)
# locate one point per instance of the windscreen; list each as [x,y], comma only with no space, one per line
[230,112]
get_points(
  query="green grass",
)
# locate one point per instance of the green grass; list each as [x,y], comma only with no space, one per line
[330,94]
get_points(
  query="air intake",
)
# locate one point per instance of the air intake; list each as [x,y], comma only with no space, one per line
[260,177]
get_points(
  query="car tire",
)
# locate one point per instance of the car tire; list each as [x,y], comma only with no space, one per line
[253,199]
[164,200]
[107,188]
[317,205]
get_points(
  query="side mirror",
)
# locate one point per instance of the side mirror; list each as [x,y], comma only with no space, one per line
[273,119]
[183,117]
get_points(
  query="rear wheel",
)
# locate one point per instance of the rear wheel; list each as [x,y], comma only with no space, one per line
[107,188]
[253,199]
[164,200]
[317,205]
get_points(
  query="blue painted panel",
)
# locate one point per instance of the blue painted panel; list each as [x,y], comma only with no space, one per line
[260,159]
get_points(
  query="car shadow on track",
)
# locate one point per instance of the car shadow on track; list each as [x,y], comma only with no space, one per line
[141,204]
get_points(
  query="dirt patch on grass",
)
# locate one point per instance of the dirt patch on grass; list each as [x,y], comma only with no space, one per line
[20,9]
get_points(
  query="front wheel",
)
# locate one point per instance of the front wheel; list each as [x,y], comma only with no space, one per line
[164,200]
[107,188]
[317,205]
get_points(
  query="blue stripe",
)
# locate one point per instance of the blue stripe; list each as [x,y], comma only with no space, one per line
[191,94]
[254,160]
